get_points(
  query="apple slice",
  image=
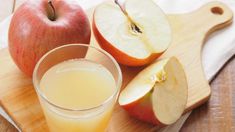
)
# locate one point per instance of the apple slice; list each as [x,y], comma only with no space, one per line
[158,94]
[136,34]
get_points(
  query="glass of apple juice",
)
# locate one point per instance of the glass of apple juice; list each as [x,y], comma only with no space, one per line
[77,86]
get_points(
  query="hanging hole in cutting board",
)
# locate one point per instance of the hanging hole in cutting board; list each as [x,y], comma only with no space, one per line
[217,10]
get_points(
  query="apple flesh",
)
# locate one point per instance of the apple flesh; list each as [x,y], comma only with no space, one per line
[158,94]
[39,26]
[135,35]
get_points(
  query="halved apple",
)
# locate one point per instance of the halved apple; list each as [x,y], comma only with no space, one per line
[158,94]
[136,34]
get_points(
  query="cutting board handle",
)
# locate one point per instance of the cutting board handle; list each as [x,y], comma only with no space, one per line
[190,30]
[217,15]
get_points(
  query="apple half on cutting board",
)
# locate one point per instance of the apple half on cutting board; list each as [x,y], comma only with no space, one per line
[158,94]
[135,34]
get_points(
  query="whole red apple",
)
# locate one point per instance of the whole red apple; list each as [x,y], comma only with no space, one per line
[41,25]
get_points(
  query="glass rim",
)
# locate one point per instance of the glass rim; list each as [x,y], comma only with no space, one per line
[41,94]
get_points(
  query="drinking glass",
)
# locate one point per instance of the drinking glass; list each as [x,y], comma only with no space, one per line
[64,119]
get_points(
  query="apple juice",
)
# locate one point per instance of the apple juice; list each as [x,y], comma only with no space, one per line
[78,85]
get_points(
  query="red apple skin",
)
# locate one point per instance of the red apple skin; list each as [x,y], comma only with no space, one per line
[142,110]
[120,56]
[32,33]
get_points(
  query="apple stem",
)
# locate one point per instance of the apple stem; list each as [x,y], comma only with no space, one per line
[123,10]
[134,27]
[52,15]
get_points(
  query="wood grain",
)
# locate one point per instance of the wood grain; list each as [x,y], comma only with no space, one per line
[6,10]
[188,40]
[204,122]
[218,115]
[5,126]
[210,116]
[19,99]
[6,7]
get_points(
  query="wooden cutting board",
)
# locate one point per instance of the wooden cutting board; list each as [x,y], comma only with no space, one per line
[190,30]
